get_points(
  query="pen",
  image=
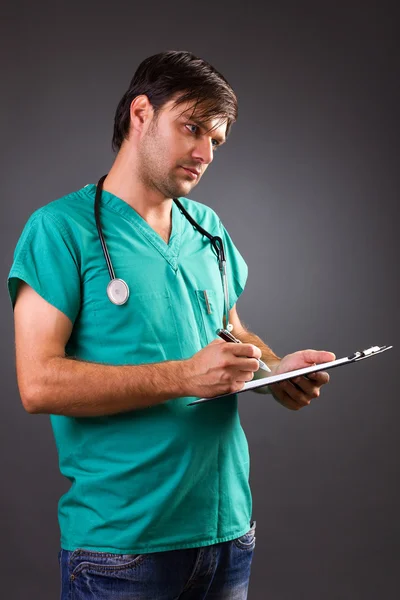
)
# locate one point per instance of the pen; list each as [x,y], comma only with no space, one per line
[228,337]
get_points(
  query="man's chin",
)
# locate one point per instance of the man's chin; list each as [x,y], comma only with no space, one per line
[182,188]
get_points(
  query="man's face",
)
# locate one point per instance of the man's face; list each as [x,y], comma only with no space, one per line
[177,148]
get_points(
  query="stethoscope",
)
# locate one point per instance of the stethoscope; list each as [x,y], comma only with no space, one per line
[118,290]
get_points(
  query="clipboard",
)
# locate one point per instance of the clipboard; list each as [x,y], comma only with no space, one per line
[346,360]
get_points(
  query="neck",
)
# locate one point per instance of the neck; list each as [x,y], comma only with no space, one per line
[123,181]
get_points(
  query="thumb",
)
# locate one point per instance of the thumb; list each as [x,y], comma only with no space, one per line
[318,356]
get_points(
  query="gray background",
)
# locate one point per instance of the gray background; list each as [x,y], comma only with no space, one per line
[307,187]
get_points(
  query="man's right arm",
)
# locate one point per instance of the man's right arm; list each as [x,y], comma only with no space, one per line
[50,382]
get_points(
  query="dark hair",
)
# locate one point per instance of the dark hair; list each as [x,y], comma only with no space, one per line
[179,74]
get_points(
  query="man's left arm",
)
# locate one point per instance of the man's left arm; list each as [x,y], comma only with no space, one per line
[297,392]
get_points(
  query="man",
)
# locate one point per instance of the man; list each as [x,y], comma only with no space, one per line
[159,505]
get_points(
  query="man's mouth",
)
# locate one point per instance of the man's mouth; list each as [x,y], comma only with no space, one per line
[192,171]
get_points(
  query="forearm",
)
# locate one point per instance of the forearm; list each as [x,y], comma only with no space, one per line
[267,354]
[75,388]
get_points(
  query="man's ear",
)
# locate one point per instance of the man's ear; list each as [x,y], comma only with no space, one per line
[141,113]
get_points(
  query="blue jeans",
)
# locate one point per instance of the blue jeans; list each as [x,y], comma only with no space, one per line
[217,572]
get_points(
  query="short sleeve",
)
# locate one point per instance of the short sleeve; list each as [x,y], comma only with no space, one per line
[236,267]
[46,259]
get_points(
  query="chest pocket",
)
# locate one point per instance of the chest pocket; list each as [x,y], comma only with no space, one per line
[144,330]
[210,311]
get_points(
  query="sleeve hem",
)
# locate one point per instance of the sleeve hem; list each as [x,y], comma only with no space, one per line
[19,276]
[238,287]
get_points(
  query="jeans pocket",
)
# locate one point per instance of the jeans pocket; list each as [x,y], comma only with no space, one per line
[102,562]
[248,540]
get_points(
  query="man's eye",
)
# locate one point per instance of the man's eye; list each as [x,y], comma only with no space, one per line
[215,143]
[190,125]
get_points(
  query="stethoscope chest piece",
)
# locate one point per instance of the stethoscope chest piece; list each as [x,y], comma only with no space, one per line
[118,291]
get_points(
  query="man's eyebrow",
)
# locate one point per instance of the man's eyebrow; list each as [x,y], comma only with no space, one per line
[201,124]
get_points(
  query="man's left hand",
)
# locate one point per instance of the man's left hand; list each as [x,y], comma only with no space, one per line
[299,391]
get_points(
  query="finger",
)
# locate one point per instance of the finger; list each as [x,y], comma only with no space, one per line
[245,376]
[307,386]
[283,397]
[320,377]
[248,350]
[244,364]
[296,394]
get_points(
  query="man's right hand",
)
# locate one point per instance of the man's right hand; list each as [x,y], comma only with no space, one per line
[51,383]
[221,368]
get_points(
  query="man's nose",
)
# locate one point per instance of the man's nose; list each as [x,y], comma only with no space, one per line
[203,151]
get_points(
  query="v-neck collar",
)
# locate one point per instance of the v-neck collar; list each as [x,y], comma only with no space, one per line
[169,251]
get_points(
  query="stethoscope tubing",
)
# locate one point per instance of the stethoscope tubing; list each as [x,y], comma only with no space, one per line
[215,240]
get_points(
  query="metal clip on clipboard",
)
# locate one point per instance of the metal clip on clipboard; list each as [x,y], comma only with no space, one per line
[365,353]
[249,385]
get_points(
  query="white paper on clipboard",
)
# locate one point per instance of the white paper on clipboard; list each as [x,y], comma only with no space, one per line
[253,384]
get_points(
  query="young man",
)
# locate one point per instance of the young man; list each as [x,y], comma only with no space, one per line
[159,505]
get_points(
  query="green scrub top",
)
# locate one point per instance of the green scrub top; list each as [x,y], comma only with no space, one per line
[165,477]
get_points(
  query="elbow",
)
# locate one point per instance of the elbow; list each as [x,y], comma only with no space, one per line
[32,397]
